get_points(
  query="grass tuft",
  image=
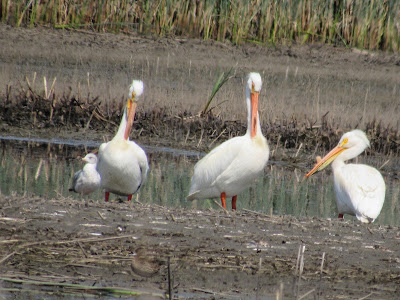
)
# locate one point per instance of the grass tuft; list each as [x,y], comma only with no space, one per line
[221,80]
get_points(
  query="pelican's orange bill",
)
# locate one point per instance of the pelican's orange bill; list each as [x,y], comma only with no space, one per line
[326,160]
[254,110]
[131,117]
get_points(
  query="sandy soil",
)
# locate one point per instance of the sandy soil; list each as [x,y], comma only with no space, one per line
[213,254]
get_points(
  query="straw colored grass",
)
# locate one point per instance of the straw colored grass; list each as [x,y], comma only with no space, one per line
[355,23]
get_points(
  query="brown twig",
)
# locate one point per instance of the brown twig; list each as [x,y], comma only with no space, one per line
[7,257]
[223,208]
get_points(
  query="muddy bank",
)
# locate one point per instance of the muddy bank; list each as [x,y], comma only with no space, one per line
[212,253]
[71,118]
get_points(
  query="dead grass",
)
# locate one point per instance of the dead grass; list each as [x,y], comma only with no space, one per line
[287,121]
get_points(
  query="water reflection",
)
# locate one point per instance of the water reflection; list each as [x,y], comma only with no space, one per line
[46,170]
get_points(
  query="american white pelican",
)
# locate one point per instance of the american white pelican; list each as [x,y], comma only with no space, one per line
[87,180]
[232,166]
[122,163]
[359,189]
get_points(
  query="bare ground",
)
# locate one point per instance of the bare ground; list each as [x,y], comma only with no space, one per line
[213,254]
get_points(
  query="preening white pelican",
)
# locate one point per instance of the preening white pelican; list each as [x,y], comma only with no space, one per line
[122,163]
[87,180]
[232,166]
[359,189]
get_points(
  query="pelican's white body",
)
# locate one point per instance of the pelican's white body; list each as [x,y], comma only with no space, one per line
[123,166]
[122,163]
[87,180]
[359,189]
[232,166]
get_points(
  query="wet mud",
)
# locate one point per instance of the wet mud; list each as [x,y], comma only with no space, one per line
[212,253]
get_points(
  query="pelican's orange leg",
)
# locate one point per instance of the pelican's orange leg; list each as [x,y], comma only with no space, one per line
[223,197]
[340,216]
[234,202]
[130,197]
[106,195]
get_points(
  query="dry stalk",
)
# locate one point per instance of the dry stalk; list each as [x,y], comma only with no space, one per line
[297,261]
[169,279]
[201,137]
[223,131]
[322,265]
[187,135]
[7,257]
[298,150]
[367,296]
[39,168]
[224,209]
[83,251]
[306,294]
[384,164]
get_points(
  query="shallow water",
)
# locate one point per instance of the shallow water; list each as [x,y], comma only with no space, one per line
[40,167]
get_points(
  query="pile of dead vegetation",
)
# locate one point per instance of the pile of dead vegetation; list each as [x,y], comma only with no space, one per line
[29,109]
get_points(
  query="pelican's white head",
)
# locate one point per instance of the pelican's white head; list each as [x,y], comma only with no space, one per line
[90,158]
[351,144]
[136,89]
[253,88]
[254,81]
[354,138]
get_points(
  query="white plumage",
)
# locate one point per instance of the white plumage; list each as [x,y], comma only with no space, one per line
[232,166]
[122,163]
[87,180]
[359,189]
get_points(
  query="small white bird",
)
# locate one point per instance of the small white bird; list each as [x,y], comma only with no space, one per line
[232,166]
[87,180]
[122,163]
[359,189]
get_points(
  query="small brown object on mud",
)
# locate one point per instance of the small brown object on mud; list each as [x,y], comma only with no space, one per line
[145,263]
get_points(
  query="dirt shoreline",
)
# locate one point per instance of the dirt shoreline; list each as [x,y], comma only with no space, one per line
[213,253]
[224,255]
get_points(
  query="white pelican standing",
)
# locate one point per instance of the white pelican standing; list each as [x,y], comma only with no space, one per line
[232,166]
[87,180]
[122,163]
[359,189]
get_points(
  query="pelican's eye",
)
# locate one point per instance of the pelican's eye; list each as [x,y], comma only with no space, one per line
[345,141]
[252,87]
[131,100]
[133,96]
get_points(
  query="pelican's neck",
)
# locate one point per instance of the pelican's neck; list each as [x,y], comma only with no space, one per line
[122,125]
[347,154]
[337,164]
[249,125]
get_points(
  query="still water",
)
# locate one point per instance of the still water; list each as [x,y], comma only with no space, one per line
[45,168]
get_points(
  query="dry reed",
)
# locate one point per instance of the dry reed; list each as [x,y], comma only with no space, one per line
[355,23]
